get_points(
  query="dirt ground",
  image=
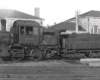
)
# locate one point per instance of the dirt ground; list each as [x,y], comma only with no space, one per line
[49,70]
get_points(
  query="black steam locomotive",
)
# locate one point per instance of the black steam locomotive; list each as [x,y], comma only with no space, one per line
[27,39]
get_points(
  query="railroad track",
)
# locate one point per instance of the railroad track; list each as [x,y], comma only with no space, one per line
[45,60]
[53,73]
[57,70]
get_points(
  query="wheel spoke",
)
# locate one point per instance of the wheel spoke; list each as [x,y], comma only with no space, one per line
[37,56]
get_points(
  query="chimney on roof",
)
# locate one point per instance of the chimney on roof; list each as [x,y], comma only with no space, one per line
[37,12]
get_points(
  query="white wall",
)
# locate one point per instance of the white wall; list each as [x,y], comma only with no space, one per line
[84,23]
[93,22]
[89,24]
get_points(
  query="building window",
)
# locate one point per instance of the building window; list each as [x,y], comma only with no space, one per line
[94,30]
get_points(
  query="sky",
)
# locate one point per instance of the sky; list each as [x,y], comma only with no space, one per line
[53,11]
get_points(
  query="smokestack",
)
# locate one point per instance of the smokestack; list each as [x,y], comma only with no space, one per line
[3,25]
[37,12]
[77,22]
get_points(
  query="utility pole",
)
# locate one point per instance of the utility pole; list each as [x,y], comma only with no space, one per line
[88,25]
[77,22]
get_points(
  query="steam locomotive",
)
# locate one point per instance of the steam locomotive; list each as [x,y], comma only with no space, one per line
[27,39]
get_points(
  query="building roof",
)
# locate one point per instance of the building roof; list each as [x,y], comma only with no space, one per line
[92,13]
[67,26]
[6,13]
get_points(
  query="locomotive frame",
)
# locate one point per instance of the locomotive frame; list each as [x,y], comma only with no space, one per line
[43,43]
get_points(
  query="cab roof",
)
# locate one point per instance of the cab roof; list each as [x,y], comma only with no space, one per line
[26,23]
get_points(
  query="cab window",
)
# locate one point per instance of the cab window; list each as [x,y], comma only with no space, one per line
[22,30]
[29,30]
[36,32]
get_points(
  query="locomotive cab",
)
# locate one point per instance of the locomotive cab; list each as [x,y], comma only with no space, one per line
[25,37]
[27,32]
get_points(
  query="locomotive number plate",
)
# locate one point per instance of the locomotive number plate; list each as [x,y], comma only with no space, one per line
[29,38]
